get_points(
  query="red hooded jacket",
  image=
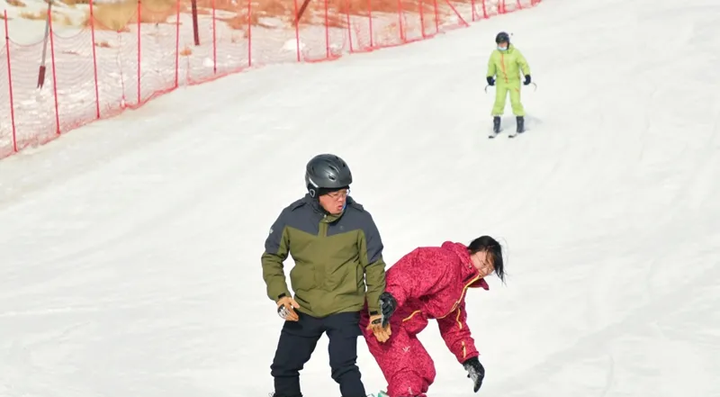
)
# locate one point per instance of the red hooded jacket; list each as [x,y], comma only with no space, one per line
[430,283]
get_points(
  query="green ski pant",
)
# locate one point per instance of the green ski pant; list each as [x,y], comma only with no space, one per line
[501,92]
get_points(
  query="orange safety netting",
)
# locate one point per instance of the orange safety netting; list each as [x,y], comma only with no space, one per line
[131,51]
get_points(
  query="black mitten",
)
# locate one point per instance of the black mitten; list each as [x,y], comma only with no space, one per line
[388,304]
[476,372]
[527,79]
[490,80]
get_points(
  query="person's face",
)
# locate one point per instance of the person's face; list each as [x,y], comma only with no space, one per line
[483,262]
[334,202]
[502,46]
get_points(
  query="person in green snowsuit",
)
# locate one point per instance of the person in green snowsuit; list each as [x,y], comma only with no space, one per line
[507,62]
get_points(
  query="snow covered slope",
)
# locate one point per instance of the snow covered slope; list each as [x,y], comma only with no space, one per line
[130,248]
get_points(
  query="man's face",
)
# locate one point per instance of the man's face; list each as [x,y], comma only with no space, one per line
[334,202]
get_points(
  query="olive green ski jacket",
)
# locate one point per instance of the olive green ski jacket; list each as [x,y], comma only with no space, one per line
[338,259]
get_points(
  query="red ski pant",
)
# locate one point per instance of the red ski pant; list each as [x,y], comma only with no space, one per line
[408,368]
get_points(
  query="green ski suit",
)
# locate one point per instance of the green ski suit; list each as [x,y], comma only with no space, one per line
[507,66]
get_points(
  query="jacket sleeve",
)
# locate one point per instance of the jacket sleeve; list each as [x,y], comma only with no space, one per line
[455,332]
[371,249]
[522,63]
[491,66]
[276,251]
[416,275]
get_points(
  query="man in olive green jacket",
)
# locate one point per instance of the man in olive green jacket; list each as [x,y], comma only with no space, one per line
[339,267]
[508,64]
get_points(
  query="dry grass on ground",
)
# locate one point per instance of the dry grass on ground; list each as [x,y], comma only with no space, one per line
[16,3]
[73,3]
[57,18]
[118,16]
[338,10]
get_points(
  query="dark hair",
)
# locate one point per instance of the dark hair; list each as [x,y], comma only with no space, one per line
[489,244]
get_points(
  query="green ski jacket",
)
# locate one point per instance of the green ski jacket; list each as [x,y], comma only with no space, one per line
[507,65]
[338,259]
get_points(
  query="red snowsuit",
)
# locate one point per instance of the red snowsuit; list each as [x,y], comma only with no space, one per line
[428,283]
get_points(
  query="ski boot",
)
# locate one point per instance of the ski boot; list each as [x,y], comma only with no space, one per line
[520,125]
[496,127]
[496,124]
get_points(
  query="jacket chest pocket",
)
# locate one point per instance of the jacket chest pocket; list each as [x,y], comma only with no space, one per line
[341,268]
[302,277]
[344,278]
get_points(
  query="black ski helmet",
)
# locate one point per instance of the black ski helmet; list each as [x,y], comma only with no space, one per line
[326,172]
[502,37]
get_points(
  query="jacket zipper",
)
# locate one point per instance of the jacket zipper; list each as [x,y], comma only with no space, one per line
[502,64]
[322,230]
[455,305]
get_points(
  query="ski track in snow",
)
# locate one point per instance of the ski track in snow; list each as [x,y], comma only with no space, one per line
[131,247]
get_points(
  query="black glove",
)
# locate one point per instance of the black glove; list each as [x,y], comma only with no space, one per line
[490,80]
[388,304]
[527,79]
[476,372]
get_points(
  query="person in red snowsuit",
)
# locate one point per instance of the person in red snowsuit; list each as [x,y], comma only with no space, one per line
[429,283]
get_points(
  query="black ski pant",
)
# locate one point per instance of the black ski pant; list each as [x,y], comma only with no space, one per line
[297,343]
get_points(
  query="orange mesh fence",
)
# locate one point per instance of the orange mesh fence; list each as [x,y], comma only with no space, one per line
[130,51]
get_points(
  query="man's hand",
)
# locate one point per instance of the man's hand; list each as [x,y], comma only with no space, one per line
[388,304]
[286,308]
[382,334]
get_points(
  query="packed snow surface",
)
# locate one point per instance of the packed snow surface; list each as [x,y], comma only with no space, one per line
[131,247]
